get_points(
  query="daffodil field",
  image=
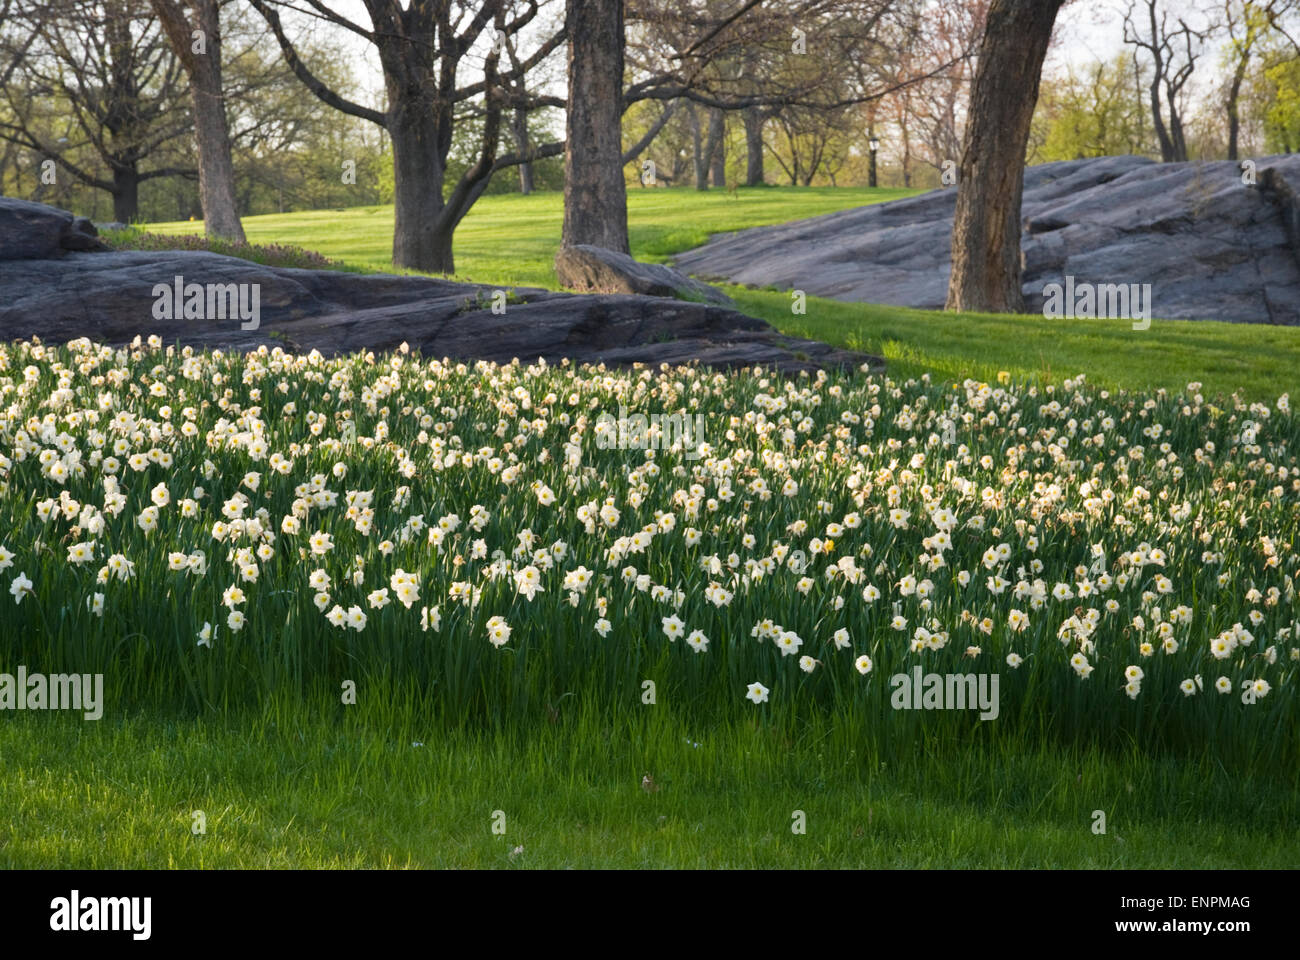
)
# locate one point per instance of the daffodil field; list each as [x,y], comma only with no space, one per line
[209,530]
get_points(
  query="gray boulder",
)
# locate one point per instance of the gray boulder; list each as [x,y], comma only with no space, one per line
[589,268]
[1285,191]
[36,231]
[1210,246]
[114,297]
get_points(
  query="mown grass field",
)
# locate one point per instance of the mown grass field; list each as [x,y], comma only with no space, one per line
[511,240]
[1167,520]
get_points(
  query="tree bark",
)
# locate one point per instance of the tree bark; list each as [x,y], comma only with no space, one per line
[872,180]
[986,224]
[1234,116]
[1158,122]
[417,188]
[716,148]
[753,118]
[126,194]
[907,151]
[520,129]
[595,195]
[211,130]
[700,159]
[1176,134]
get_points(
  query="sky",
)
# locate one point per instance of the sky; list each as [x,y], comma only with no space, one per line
[1089,30]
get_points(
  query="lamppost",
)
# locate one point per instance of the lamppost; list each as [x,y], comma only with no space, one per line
[874,144]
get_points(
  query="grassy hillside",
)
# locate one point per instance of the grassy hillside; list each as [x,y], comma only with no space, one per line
[511,240]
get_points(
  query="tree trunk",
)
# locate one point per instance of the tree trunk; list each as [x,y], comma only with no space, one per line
[417,188]
[1234,126]
[907,154]
[872,180]
[700,159]
[753,118]
[1234,99]
[520,130]
[595,195]
[1176,134]
[211,131]
[1157,121]
[216,167]
[717,148]
[986,224]
[440,247]
[7,160]
[126,194]
[1137,90]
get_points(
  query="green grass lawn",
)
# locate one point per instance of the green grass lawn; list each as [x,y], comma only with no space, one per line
[288,791]
[511,240]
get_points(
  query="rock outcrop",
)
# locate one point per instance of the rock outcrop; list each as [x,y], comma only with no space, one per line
[35,231]
[1212,246]
[51,290]
[591,269]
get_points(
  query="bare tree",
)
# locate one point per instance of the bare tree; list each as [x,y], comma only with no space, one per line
[1162,43]
[13,52]
[1282,15]
[101,74]
[13,49]
[744,55]
[422,46]
[814,141]
[678,48]
[934,110]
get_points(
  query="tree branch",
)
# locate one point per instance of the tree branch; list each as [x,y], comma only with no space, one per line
[634,151]
[322,92]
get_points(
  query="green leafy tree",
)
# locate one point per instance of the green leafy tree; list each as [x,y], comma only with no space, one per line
[1096,111]
[1282,120]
